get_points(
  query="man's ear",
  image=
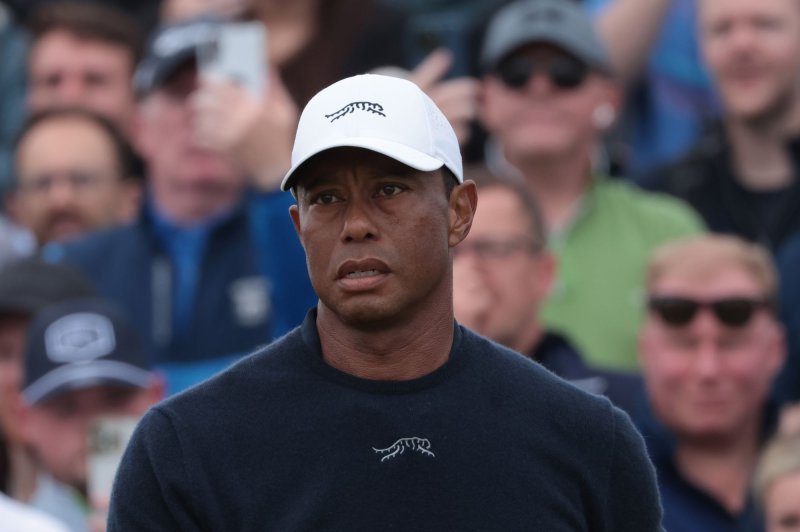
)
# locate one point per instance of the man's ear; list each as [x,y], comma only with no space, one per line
[547,273]
[776,355]
[294,213]
[463,202]
[131,199]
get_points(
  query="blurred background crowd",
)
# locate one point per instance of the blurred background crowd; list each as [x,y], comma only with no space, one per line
[638,166]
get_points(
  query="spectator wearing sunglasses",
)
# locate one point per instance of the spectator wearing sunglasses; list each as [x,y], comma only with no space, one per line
[549,94]
[503,271]
[710,347]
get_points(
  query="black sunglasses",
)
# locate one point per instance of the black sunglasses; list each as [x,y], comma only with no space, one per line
[565,72]
[733,312]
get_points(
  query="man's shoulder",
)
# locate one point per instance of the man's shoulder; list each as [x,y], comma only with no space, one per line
[234,387]
[532,383]
[648,208]
[694,171]
[102,244]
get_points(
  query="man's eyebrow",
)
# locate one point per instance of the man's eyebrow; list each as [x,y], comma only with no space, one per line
[316,177]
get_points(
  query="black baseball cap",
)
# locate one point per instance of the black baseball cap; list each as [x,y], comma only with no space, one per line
[82,343]
[29,284]
[172,46]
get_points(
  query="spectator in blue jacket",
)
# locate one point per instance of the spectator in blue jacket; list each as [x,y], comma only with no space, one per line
[211,268]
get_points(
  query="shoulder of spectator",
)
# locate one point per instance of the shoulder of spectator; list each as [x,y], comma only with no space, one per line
[95,245]
[659,213]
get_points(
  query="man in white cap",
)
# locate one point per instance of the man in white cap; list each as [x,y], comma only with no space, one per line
[380,412]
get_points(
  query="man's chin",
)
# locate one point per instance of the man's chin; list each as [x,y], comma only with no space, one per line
[365,316]
[64,232]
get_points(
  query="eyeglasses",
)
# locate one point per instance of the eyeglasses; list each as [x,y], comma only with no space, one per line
[565,72]
[497,249]
[79,180]
[733,312]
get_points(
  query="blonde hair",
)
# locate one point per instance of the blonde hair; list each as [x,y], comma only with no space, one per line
[702,256]
[780,458]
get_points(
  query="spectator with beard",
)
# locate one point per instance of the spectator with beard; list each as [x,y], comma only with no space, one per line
[74,173]
[742,176]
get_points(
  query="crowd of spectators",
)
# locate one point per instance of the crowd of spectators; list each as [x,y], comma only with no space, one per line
[637,231]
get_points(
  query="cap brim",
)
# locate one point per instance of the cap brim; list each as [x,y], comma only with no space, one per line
[19,305]
[394,150]
[80,376]
[593,59]
[154,74]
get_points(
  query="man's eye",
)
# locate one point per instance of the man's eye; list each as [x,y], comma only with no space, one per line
[325,199]
[389,190]
[51,80]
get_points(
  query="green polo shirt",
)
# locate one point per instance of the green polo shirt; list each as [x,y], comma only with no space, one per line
[597,300]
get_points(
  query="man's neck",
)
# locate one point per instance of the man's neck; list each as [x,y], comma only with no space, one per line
[558,184]
[528,342]
[761,159]
[722,468]
[405,350]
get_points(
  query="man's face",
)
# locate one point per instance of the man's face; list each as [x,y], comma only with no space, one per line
[58,428]
[189,183]
[753,51]
[65,70]
[69,181]
[708,380]
[377,236]
[539,119]
[501,272]
[12,345]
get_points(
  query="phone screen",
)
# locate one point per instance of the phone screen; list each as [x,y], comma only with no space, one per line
[238,55]
[108,437]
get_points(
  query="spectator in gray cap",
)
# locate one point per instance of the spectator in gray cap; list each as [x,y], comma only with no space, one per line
[83,360]
[549,95]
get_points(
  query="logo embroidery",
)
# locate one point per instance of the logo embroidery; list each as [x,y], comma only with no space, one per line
[420,445]
[370,107]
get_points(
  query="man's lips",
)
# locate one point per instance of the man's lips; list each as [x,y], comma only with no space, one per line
[361,274]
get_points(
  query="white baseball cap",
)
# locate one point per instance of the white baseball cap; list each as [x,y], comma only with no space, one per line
[384,114]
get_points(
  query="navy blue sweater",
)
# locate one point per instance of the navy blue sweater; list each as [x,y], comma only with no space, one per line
[283,441]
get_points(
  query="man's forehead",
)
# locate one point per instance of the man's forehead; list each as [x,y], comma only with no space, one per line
[338,162]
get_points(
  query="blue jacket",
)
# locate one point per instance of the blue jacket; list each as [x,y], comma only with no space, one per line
[556,353]
[252,285]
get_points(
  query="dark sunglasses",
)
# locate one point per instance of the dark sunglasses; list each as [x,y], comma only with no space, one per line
[564,72]
[733,312]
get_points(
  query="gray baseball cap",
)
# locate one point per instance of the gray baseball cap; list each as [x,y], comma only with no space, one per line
[561,23]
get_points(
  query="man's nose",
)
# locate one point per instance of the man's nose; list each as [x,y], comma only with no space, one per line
[358,222]
[71,91]
[61,191]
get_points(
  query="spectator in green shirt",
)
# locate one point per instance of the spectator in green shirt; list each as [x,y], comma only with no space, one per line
[549,94]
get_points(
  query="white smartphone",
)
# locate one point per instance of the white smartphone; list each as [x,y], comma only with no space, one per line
[108,438]
[237,54]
